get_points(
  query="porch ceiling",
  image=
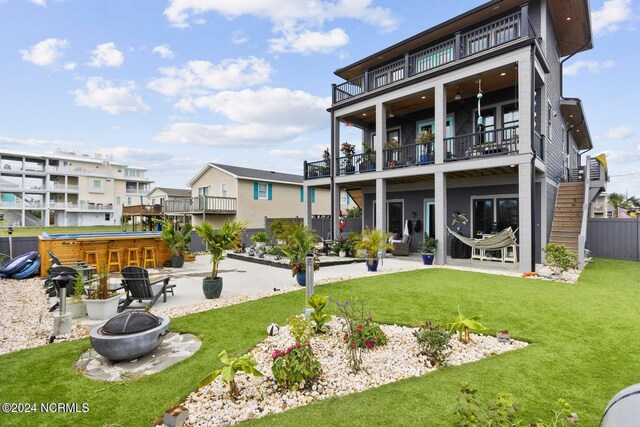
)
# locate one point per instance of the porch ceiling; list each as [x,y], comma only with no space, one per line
[572,20]
[573,114]
[497,79]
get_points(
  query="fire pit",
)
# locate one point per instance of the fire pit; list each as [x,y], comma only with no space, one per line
[129,335]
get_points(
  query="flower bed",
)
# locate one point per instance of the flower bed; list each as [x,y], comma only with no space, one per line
[259,396]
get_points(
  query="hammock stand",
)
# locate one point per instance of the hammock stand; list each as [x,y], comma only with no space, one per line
[497,242]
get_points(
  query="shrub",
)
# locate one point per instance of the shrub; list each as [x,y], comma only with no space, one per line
[296,367]
[244,363]
[301,329]
[462,325]
[433,342]
[559,259]
[318,302]
[260,236]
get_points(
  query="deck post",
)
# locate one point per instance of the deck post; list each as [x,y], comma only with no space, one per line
[440,192]
[380,220]
[307,205]
[381,132]
[457,48]
[440,122]
[525,209]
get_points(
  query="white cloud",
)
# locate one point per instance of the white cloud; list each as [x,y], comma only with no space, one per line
[164,51]
[198,77]
[294,19]
[621,132]
[69,66]
[592,66]
[106,55]
[238,37]
[293,154]
[608,18]
[133,155]
[105,95]
[42,3]
[41,144]
[228,136]
[307,42]
[45,52]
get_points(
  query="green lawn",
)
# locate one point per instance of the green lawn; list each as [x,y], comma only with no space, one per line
[584,348]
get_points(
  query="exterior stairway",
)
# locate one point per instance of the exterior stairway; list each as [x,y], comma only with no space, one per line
[567,217]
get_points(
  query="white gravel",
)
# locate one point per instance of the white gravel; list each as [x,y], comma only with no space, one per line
[399,359]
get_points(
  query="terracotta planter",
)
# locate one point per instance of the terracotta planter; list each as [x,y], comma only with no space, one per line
[212,288]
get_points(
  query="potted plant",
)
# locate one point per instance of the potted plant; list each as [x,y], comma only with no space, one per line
[260,239]
[343,246]
[178,241]
[348,150]
[425,138]
[299,242]
[374,242]
[368,159]
[75,304]
[326,156]
[428,248]
[226,238]
[392,146]
[101,302]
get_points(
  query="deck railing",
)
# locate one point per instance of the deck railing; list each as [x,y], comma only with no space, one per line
[319,169]
[495,142]
[357,163]
[538,145]
[409,155]
[206,204]
[472,42]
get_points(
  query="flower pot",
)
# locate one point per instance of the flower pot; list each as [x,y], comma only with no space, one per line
[176,416]
[211,287]
[301,278]
[342,254]
[372,264]
[76,308]
[177,261]
[427,259]
[350,169]
[261,244]
[102,309]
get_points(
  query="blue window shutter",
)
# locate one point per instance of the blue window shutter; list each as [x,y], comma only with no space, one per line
[255,191]
[313,195]
[302,194]
[269,191]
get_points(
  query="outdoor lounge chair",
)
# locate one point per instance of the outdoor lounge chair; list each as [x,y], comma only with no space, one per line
[401,247]
[136,283]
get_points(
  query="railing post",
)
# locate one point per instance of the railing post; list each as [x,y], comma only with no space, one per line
[333,93]
[304,167]
[524,20]
[406,65]
[457,48]
[365,80]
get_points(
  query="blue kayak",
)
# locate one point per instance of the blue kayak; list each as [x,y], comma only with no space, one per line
[16,264]
[28,270]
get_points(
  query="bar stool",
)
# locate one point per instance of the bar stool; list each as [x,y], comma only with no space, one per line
[149,256]
[91,257]
[114,259]
[132,256]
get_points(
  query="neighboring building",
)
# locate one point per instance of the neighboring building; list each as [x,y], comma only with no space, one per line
[160,195]
[67,189]
[469,117]
[600,207]
[220,191]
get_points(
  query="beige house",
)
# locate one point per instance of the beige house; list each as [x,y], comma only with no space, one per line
[220,191]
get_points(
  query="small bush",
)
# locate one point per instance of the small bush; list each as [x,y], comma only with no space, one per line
[559,259]
[433,342]
[301,329]
[296,367]
[320,318]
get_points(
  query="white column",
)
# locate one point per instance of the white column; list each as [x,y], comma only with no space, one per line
[381,204]
[440,122]
[525,95]
[335,194]
[335,164]
[306,191]
[381,135]
[524,216]
[543,212]
[440,190]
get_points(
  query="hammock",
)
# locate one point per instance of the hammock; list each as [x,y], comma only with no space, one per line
[498,241]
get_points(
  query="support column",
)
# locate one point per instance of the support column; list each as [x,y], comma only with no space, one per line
[440,190]
[381,135]
[381,204]
[525,210]
[525,103]
[306,191]
[440,123]
[543,212]
[335,211]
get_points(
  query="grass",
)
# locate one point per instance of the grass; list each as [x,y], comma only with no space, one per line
[37,231]
[584,349]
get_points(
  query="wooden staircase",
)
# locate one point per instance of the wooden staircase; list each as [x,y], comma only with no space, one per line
[567,217]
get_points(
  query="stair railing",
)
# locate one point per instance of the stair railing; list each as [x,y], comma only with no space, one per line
[585,215]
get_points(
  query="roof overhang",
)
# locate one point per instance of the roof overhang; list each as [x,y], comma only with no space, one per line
[573,114]
[572,21]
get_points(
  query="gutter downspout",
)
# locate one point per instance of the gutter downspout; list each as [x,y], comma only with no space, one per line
[533,162]
[332,170]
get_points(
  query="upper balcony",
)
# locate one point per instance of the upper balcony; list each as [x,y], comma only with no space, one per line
[202,204]
[473,41]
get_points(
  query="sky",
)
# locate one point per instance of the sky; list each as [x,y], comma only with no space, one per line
[170,85]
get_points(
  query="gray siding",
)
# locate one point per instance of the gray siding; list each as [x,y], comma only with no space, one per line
[551,206]
[614,238]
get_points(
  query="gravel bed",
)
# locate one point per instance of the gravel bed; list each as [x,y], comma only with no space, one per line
[399,359]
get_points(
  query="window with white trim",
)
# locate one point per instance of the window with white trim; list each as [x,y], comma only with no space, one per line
[97,184]
[223,189]
[263,191]
[203,191]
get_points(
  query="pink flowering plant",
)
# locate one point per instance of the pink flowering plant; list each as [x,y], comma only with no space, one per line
[360,331]
[296,367]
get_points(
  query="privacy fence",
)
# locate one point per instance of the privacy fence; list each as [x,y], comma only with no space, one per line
[617,238]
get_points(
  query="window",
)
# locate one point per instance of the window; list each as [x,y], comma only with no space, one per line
[434,60]
[510,122]
[118,200]
[203,191]
[494,214]
[263,191]
[549,120]
[482,216]
[223,189]
[507,214]
[477,44]
[96,184]
[488,125]
[128,200]
[393,135]
[107,217]
[343,198]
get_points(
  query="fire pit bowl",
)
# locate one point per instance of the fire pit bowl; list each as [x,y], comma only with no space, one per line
[130,335]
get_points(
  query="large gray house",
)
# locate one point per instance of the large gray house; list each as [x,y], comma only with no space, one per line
[470,117]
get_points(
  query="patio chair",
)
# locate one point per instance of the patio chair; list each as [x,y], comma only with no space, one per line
[401,247]
[136,283]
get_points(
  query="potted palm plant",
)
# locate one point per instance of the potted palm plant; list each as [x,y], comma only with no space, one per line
[374,242]
[299,242]
[260,239]
[76,305]
[178,241]
[425,138]
[348,150]
[226,238]
[428,248]
[101,302]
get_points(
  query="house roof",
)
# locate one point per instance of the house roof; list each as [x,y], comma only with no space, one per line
[249,173]
[573,113]
[175,192]
[573,35]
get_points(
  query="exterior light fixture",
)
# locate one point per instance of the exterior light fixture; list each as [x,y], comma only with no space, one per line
[458,97]
[503,74]
[423,97]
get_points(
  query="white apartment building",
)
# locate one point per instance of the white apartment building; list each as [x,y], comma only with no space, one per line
[67,189]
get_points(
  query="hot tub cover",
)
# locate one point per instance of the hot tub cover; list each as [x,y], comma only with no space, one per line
[130,323]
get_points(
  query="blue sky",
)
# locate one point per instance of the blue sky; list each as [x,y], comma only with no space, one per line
[170,85]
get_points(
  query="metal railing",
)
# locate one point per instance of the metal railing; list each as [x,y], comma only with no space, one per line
[491,35]
[495,142]
[319,169]
[208,204]
[358,163]
[386,75]
[409,155]
[432,57]
[348,89]
[538,145]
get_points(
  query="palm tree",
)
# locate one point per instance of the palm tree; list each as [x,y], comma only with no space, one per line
[616,200]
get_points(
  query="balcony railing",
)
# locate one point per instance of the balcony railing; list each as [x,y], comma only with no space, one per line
[202,204]
[538,145]
[318,169]
[495,142]
[409,155]
[472,42]
[358,163]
